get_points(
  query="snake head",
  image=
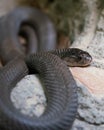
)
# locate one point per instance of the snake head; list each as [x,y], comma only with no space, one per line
[78,57]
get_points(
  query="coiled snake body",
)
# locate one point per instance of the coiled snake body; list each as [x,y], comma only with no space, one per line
[61,89]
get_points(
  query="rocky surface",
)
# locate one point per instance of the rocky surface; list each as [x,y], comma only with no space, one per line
[29,98]
[82,125]
[91,107]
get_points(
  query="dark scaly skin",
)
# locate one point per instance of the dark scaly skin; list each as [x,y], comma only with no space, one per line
[61,89]
[44,29]
[60,92]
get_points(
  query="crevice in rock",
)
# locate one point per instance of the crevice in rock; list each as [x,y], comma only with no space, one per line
[82,119]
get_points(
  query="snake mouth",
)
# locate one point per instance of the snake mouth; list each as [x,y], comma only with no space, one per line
[85,59]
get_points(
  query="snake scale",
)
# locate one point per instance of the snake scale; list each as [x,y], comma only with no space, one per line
[61,89]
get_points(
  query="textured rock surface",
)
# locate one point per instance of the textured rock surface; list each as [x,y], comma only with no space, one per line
[91,77]
[91,107]
[29,98]
[82,125]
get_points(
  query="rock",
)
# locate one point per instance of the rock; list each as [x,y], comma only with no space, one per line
[91,77]
[90,98]
[81,125]
[91,108]
[28,96]
[91,94]
[90,111]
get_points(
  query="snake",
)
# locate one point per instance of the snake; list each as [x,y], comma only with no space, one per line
[42,57]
